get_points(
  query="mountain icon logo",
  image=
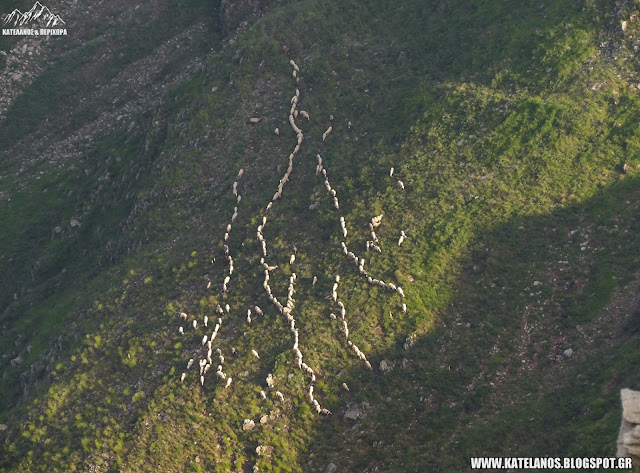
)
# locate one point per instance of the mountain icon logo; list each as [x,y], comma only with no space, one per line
[38,12]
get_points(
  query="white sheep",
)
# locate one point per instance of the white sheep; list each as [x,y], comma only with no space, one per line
[391,172]
[183,315]
[400,291]
[204,340]
[315,280]
[280,396]
[182,377]
[228,382]
[404,308]
[206,320]
[255,353]
[202,380]
[304,114]
[190,363]
[292,259]
[401,185]
[326,133]
[181,331]
[403,236]
[277,131]
[195,324]
[344,385]
[263,395]
[295,67]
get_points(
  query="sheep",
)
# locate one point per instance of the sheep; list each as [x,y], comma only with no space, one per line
[404,308]
[304,114]
[326,133]
[401,185]
[208,284]
[182,377]
[254,120]
[202,380]
[190,363]
[183,315]
[403,236]
[239,199]
[391,172]
[325,412]
[332,316]
[204,340]
[277,131]
[400,291]
[344,385]
[235,192]
[227,308]
[292,259]
[226,236]
[195,324]
[255,353]
[345,328]
[206,320]
[336,204]
[263,395]
[240,173]
[315,280]
[181,331]
[228,382]
[295,67]
[368,365]
[377,220]
[280,396]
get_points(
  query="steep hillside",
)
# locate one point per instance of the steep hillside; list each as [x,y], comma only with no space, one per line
[191,180]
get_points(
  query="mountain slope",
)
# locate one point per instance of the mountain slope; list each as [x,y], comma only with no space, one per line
[513,131]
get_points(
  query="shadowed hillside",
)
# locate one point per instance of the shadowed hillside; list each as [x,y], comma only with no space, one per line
[203,181]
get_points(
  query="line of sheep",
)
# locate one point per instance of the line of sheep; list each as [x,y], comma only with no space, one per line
[207,340]
[371,244]
[345,326]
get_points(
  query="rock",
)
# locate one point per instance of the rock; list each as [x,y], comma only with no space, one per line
[536,283]
[629,435]
[248,424]
[57,229]
[264,420]
[385,366]
[354,413]
[314,206]
[254,120]
[630,405]
[74,223]
[624,25]
[3,427]
[17,361]
[568,352]
[331,468]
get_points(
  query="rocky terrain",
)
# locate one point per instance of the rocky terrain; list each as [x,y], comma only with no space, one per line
[318,236]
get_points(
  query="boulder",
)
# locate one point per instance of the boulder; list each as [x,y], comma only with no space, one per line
[629,434]
[385,366]
[331,468]
[630,405]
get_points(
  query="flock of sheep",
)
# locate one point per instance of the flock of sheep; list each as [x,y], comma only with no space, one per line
[287,309]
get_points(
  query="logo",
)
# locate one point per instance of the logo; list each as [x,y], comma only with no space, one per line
[38,21]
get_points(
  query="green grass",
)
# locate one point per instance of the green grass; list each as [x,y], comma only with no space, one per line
[512,165]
